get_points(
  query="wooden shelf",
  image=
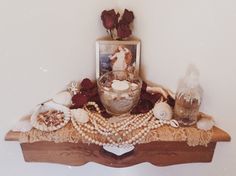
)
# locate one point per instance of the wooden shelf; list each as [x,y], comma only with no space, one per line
[160,153]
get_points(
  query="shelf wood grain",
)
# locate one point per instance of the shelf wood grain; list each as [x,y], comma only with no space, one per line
[156,153]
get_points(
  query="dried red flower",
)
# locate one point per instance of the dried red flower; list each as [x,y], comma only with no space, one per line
[110,18]
[87,84]
[79,100]
[144,86]
[170,101]
[144,106]
[123,30]
[145,96]
[128,16]
[90,93]
[112,22]
[155,97]
[105,114]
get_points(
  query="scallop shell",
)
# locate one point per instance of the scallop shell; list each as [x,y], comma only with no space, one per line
[45,107]
[205,123]
[80,115]
[63,98]
[162,111]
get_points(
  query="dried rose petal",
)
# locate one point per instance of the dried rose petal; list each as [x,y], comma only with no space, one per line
[134,110]
[144,86]
[170,101]
[95,99]
[109,18]
[79,100]
[87,84]
[90,92]
[145,96]
[145,106]
[128,16]
[123,30]
[155,97]
[106,115]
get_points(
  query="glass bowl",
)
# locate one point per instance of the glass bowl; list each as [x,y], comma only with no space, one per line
[119,91]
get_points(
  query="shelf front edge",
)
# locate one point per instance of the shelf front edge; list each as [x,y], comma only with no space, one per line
[219,135]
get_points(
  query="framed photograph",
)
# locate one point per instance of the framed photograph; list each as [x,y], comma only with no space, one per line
[117,55]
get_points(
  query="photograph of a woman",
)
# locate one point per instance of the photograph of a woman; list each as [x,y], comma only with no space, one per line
[113,57]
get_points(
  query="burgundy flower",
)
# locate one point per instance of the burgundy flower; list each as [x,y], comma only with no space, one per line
[110,18]
[87,84]
[123,30]
[144,86]
[79,100]
[128,16]
[144,106]
[170,101]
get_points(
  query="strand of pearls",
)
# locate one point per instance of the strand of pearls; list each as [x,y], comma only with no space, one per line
[132,130]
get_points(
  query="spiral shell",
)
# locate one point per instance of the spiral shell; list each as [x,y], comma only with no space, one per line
[162,111]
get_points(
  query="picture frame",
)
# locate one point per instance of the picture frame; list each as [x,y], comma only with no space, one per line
[117,55]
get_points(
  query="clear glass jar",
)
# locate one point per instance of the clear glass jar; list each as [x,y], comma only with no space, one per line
[186,109]
[188,98]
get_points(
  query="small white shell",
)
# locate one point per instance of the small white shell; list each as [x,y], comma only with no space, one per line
[80,115]
[174,123]
[205,123]
[162,111]
[63,98]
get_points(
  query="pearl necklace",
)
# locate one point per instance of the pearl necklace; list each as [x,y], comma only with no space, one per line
[132,130]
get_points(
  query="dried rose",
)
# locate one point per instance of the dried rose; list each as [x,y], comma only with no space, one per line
[79,100]
[145,96]
[90,93]
[155,97]
[110,18]
[87,84]
[123,30]
[128,16]
[144,106]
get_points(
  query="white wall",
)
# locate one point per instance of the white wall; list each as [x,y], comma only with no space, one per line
[45,44]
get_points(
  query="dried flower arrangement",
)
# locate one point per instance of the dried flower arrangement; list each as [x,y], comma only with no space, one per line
[118,27]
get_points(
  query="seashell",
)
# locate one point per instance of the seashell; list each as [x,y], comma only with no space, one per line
[80,115]
[63,98]
[45,107]
[162,111]
[118,150]
[205,123]
[174,123]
